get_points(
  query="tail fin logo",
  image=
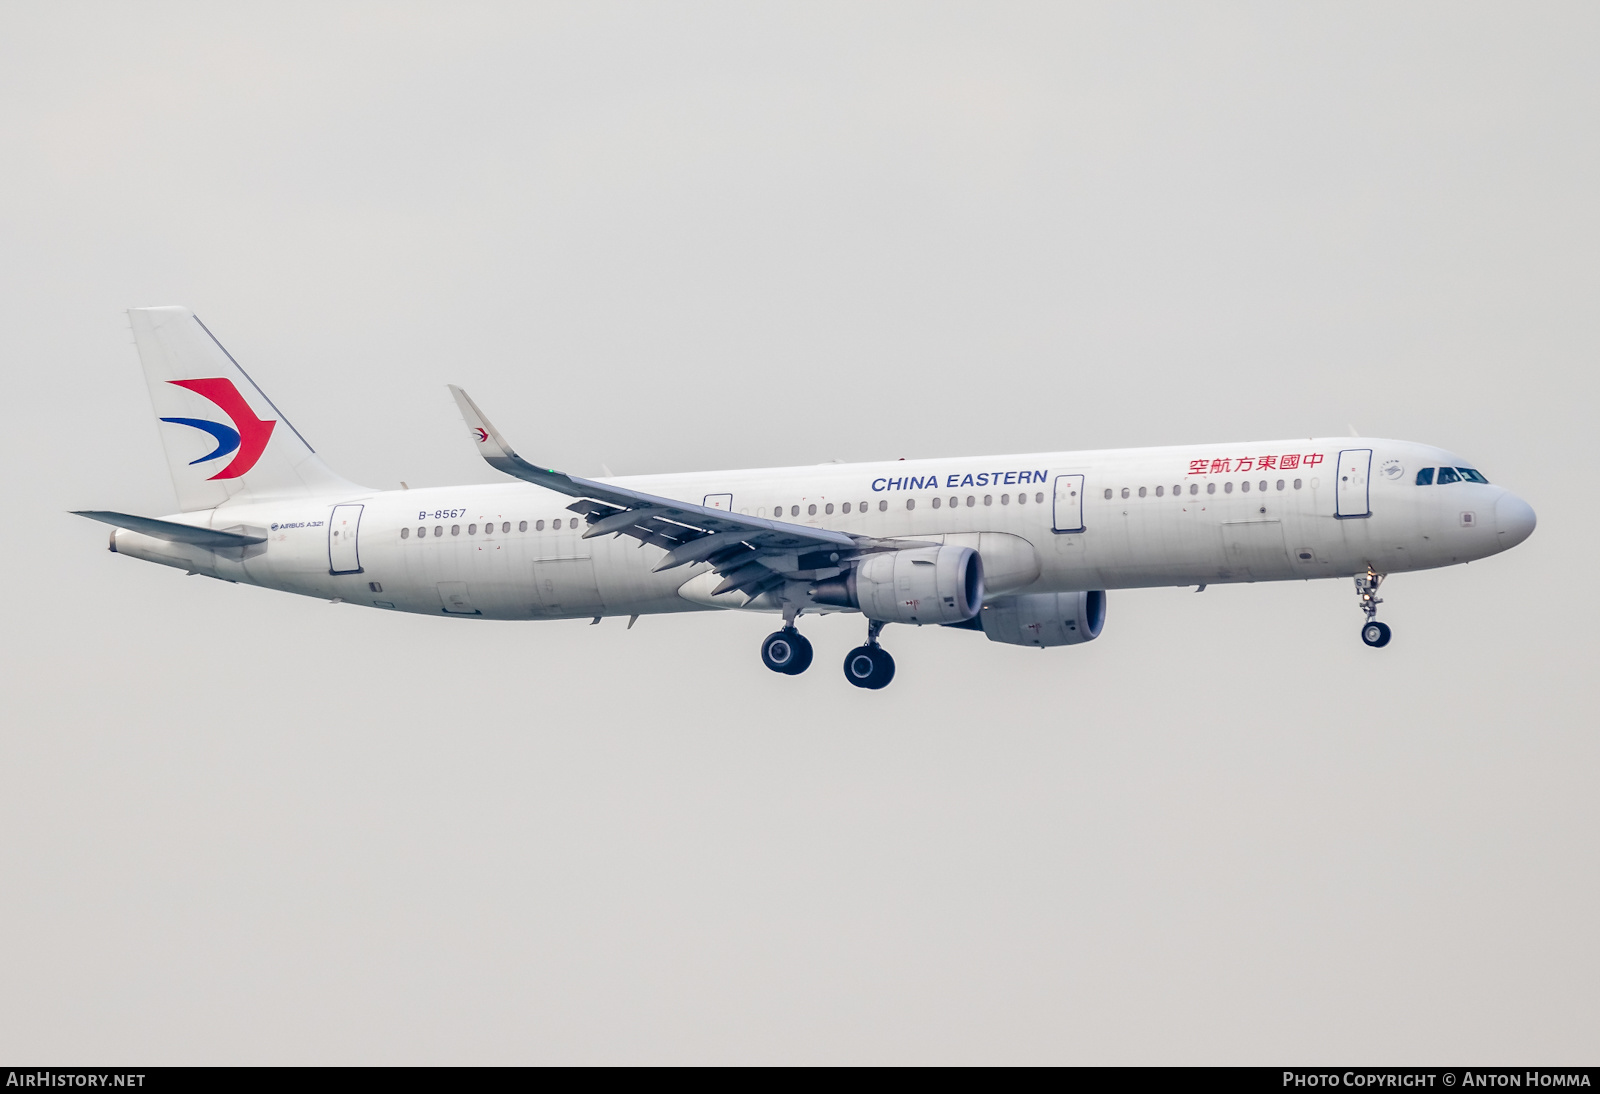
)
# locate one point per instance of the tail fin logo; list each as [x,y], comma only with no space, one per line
[248,436]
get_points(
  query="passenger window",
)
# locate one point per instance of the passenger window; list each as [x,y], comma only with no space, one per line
[522,526]
[1425,477]
[1472,476]
[438,530]
[911,503]
[1245,486]
[1108,494]
[405,533]
[1194,488]
[1227,488]
[828,509]
[846,507]
[1160,490]
[1448,474]
[472,529]
[1022,499]
[811,510]
[1262,485]
[1005,499]
[1039,497]
[1280,485]
[955,502]
[937,502]
[506,527]
[988,499]
[539,527]
[1211,488]
[794,510]
[971,501]
[883,506]
[1141,491]
[421,532]
[1297,484]
[455,529]
[1124,493]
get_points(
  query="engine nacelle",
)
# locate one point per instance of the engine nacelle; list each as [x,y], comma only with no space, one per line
[917,585]
[1044,619]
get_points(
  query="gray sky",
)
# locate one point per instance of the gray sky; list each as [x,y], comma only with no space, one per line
[239,826]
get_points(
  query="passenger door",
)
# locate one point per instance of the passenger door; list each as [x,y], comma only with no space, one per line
[723,502]
[1068,512]
[1355,467]
[344,552]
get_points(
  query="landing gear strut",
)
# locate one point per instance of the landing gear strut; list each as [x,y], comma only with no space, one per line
[1373,633]
[869,666]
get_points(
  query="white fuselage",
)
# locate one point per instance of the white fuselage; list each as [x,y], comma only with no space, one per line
[1188,515]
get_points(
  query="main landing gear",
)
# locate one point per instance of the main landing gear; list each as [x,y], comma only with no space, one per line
[1373,633]
[786,651]
[869,666]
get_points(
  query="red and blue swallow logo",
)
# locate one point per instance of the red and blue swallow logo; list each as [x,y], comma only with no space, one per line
[248,435]
[482,435]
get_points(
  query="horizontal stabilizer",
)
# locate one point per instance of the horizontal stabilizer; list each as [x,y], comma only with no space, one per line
[171,531]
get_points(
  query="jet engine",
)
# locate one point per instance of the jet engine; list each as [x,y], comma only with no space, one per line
[916,585]
[1044,619]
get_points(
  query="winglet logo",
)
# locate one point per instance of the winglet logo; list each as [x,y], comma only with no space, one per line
[483,435]
[248,435]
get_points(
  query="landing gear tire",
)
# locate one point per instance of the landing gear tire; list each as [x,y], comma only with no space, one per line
[786,651]
[1376,634]
[869,667]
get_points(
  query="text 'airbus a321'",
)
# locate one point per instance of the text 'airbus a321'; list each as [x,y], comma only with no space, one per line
[1019,547]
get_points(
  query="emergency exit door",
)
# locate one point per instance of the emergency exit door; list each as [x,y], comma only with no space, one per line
[344,549]
[1068,513]
[1355,467]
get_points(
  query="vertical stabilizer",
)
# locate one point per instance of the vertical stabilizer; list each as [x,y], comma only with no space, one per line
[223,437]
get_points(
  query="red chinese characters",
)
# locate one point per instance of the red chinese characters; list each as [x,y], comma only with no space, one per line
[1286,462]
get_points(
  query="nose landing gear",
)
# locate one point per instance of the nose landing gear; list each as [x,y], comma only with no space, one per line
[869,666]
[1373,633]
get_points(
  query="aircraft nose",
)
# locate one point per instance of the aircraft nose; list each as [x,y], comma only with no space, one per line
[1514,520]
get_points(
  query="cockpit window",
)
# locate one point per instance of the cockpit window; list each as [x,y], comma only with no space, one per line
[1448,474]
[1425,477]
[1472,476]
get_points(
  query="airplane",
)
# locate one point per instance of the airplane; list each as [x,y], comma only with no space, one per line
[1021,548]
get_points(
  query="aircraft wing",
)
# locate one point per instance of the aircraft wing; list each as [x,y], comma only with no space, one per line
[752,553]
